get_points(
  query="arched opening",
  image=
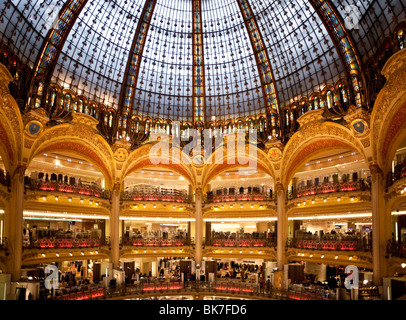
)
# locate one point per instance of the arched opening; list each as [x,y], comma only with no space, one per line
[240,209]
[328,209]
[66,217]
[65,206]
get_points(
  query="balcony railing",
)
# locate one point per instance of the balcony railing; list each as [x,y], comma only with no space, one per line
[332,244]
[86,190]
[212,198]
[240,243]
[155,242]
[329,188]
[191,287]
[53,243]
[155,196]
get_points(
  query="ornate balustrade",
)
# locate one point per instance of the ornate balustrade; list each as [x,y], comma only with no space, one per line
[155,242]
[87,190]
[351,244]
[242,242]
[192,287]
[53,243]
[329,188]
[303,293]
[238,197]
[155,196]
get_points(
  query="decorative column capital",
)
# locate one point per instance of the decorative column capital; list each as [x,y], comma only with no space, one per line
[375,170]
[279,188]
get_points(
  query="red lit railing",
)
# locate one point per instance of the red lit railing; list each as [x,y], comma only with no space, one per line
[154,242]
[238,197]
[86,190]
[176,196]
[242,242]
[163,286]
[328,244]
[331,187]
[92,293]
[302,293]
[189,287]
[51,243]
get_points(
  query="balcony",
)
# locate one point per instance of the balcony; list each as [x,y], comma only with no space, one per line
[326,188]
[86,190]
[155,242]
[330,243]
[158,196]
[260,196]
[64,241]
[242,243]
[226,288]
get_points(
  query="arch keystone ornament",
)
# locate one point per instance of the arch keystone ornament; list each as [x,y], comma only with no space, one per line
[33,128]
[121,154]
[275,153]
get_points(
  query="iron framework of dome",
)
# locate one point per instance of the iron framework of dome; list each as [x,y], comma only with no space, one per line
[138,66]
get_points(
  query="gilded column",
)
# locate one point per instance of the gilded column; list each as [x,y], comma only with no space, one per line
[115,226]
[199,226]
[282,225]
[14,223]
[380,224]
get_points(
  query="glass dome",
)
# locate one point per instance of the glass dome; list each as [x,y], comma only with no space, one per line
[143,54]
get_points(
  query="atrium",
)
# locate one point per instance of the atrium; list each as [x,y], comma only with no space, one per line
[202,150]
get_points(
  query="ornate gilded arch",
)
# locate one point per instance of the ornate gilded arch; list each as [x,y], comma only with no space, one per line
[315,137]
[141,158]
[77,139]
[11,124]
[388,117]
[213,169]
